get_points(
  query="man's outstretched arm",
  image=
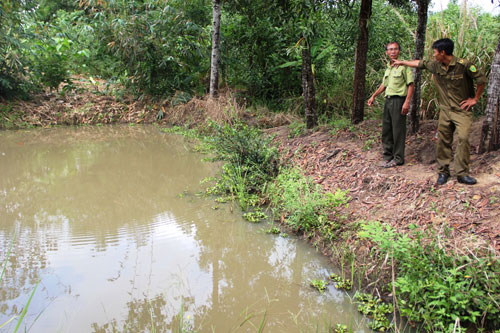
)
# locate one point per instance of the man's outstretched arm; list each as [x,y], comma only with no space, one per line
[409,63]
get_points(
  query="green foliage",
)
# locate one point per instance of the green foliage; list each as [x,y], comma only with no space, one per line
[47,9]
[376,309]
[303,203]
[274,231]
[11,118]
[369,144]
[318,284]
[245,147]
[52,62]
[163,47]
[340,282]
[340,328]
[13,75]
[255,36]
[255,216]
[436,287]
[296,129]
[160,46]
[182,130]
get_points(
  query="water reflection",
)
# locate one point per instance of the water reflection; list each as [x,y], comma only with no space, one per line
[100,223]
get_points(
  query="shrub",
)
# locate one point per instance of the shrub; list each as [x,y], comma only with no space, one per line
[251,159]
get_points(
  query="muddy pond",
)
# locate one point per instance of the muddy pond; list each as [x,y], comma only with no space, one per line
[109,225]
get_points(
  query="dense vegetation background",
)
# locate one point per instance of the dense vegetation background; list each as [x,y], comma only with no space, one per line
[162,48]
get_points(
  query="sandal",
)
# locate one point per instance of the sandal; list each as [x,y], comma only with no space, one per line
[384,163]
[390,164]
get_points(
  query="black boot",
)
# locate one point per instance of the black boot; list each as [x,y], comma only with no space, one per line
[442,179]
[467,180]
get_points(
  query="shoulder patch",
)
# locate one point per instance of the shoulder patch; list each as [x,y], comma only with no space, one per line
[472,68]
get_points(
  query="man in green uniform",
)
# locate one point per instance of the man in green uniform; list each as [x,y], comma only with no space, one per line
[453,78]
[398,87]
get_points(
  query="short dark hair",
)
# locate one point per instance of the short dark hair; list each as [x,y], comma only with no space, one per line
[444,44]
[394,42]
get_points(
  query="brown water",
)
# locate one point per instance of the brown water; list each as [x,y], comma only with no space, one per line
[108,221]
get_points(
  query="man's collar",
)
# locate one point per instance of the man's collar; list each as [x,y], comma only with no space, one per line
[453,61]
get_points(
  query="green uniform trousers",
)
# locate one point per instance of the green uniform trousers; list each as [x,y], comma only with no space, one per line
[394,129]
[449,121]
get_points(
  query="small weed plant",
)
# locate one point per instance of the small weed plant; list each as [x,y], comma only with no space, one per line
[296,129]
[319,284]
[274,231]
[369,143]
[341,283]
[340,328]
[438,288]
[255,216]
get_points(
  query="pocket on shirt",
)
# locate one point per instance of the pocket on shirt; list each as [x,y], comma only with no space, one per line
[456,77]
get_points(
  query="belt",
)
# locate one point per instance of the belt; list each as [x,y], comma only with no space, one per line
[395,96]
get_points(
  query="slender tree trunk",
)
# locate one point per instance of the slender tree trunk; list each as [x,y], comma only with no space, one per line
[423,6]
[308,87]
[214,67]
[490,134]
[360,63]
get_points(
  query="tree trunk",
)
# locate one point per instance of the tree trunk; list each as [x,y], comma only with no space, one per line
[490,136]
[308,87]
[214,67]
[360,63]
[423,6]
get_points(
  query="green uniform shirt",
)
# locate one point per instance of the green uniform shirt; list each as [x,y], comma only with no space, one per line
[455,84]
[396,80]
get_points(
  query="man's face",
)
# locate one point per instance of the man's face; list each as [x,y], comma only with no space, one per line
[439,56]
[392,51]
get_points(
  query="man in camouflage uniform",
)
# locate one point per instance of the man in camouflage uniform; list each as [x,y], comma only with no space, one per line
[398,87]
[453,77]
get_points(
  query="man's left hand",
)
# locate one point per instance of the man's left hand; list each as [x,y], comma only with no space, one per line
[405,108]
[468,103]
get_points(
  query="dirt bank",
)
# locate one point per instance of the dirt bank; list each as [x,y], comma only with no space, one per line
[404,195]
